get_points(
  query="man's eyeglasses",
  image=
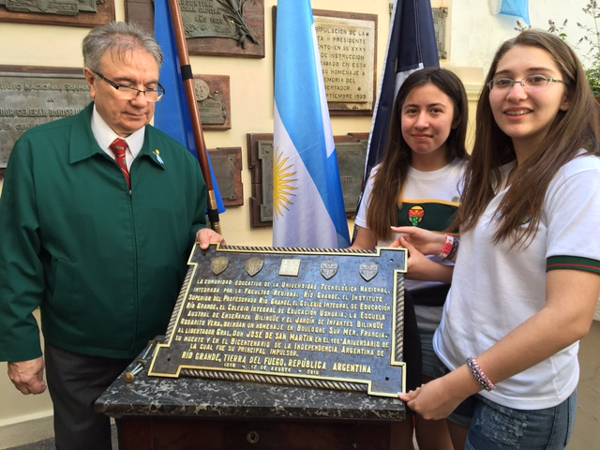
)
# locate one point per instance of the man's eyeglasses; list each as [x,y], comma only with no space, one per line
[131,93]
[530,82]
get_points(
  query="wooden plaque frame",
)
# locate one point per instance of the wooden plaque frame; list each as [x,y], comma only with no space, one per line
[255,166]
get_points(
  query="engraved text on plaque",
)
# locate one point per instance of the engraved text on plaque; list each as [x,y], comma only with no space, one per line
[324,318]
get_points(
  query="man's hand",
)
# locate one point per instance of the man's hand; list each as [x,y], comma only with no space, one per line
[28,376]
[206,236]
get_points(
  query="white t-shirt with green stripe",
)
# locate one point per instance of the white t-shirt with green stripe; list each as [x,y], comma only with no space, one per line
[495,288]
[430,201]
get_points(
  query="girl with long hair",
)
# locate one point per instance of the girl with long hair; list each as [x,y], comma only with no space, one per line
[525,283]
[418,184]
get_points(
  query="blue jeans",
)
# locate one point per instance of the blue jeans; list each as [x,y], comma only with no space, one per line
[496,427]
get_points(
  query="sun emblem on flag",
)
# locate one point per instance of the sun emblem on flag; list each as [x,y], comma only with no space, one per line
[284,183]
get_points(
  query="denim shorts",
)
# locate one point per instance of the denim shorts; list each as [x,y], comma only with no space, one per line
[496,427]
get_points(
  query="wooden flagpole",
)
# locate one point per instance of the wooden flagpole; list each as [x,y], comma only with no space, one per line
[190,91]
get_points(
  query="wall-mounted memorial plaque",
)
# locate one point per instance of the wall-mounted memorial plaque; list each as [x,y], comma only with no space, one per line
[351,152]
[78,13]
[31,96]
[348,47]
[214,103]
[227,164]
[213,27]
[318,318]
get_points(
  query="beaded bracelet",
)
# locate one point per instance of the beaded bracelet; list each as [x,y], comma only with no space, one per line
[448,245]
[455,244]
[481,377]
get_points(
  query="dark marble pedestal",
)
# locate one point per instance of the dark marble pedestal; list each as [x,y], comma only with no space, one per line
[191,413]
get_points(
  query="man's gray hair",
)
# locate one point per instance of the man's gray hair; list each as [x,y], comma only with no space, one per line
[123,37]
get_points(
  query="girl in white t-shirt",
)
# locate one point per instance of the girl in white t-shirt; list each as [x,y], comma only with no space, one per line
[526,282]
[418,184]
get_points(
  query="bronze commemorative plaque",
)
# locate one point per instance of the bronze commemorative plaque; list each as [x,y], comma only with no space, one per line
[214,103]
[31,96]
[302,317]
[78,13]
[227,164]
[213,27]
[347,43]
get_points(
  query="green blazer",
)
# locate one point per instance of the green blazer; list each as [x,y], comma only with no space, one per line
[104,264]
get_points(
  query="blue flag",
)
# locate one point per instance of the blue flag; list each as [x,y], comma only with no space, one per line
[411,46]
[172,115]
[519,8]
[308,205]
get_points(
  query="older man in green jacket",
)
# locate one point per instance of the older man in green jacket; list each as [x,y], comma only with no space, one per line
[95,236]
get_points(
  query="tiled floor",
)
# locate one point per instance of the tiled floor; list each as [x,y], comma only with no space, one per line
[587,430]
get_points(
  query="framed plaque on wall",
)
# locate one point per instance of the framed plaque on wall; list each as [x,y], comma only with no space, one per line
[77,13]
[213,27]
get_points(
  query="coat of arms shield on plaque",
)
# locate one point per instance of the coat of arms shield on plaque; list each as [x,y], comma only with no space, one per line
[368,270]
[253,266]
[218,265]
[328,269]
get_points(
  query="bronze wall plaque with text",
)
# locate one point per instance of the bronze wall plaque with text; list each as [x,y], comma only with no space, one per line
[320,318]
[213,27]
[77,13]
[31,96]
[227,164]
[214,102]
[347,43]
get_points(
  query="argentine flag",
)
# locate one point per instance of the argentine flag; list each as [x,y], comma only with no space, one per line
[308,206]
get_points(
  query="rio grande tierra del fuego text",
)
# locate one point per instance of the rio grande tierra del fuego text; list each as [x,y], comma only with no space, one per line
[256,325]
